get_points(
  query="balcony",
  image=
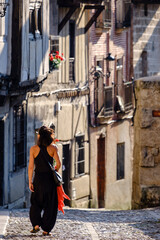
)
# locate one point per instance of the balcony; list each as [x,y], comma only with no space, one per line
[128,93]
[108,101]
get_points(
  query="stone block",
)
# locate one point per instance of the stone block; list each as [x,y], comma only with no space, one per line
[147,161]
[150,196]
[146,118]
[149,137]
[154,151]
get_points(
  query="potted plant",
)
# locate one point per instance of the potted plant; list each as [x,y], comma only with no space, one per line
[55,60]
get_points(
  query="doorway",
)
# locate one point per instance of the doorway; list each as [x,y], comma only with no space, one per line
[1,160]
[101,172]
[66,170]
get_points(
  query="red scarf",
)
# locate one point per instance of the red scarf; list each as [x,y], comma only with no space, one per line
[61,195]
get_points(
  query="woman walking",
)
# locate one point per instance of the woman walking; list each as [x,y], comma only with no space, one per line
[43,188]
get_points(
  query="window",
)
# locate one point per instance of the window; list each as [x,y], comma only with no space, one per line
[72,51]
[79,160]
[120,161]
[119,76]
[19,137]
[54,43]
[123,14]
[107,14]
[144,64]
[104,19]
[72,38]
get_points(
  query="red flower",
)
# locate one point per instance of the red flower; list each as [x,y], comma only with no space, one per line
[56,56]
[51,58]
[57,52]
[62,54]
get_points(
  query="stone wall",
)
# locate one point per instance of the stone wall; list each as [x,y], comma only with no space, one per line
[146,48]
[146,165]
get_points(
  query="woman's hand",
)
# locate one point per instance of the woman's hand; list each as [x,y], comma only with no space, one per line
[31,187]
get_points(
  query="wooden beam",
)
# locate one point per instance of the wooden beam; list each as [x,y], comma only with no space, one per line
[93,18]
[69,5]
[92,6]
[145,1]
[66,18]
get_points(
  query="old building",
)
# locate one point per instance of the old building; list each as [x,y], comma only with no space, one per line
[122,47]
[146,31]
[111,107]
[39,94]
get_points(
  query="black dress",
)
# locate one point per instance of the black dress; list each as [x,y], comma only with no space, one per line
[44,196]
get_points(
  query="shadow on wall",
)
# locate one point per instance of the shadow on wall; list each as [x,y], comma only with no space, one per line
[146,62]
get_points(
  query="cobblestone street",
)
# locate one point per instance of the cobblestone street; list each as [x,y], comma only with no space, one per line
[89,224]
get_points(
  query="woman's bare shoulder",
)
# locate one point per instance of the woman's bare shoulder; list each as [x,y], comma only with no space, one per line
[53,147]
[34,148]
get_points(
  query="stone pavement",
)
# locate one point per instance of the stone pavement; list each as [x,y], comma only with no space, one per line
[4,216]
[90,224]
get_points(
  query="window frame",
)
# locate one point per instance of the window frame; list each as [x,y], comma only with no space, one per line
[18,162]
[54,38]
[77,162]
[120,163]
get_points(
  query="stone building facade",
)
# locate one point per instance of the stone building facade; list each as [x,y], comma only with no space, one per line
[146,164]
[146,31]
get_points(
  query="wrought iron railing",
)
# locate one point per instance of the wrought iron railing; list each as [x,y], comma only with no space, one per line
[108,101]
[128,95]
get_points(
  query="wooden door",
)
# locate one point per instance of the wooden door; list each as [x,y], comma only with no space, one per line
[101,172]
[66,170]
[1,160]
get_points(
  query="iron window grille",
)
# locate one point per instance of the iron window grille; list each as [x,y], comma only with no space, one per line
[120,161]
[19,136]
[79,156]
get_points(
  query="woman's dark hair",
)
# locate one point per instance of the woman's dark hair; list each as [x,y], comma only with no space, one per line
[45,136]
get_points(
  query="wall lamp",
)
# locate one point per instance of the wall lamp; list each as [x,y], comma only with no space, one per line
[109,58]
[3,8]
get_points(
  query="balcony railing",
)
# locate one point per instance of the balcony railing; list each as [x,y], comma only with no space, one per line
[71,70]
[128,93]
[108,101]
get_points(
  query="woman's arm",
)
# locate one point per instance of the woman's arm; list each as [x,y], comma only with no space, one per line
[57,158]
[30,169]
